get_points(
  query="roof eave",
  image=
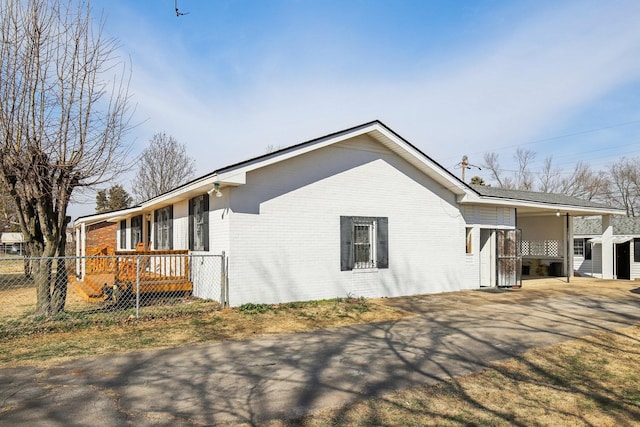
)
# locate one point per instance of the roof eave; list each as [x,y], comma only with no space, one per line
[542,207]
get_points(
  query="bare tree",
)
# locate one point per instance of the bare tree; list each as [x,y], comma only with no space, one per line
[582,182]
[63,113]
[625,185]
[8,214]
[271,148]
[492,163]
[524,178]
[163,166]
[549,178]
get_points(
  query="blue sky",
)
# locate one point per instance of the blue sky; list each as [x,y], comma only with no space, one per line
[231,77]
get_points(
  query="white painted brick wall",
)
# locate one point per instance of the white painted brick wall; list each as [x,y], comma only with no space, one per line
[285,228]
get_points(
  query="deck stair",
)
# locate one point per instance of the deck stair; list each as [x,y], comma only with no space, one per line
[89,289]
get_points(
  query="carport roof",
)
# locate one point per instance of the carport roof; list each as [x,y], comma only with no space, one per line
[533,196]
[530,203]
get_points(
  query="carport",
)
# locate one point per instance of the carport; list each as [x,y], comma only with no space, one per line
[545,224]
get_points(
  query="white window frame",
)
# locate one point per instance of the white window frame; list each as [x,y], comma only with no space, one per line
[368,224]
[578,249]
[198,223]
[164,228]
[469,240]
[136,232]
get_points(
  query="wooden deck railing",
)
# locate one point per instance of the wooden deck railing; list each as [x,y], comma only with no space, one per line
[100,260]
[152,265]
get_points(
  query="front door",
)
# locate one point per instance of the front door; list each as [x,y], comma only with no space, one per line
[509,262]
[487,257]
[623,261]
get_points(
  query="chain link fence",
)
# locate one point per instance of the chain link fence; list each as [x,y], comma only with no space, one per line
[113,287]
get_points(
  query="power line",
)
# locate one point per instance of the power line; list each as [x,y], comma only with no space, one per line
[553,138]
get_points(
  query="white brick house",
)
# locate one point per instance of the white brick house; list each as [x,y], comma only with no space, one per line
[359,212]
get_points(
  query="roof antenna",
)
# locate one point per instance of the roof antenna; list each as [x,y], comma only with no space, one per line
[178,13]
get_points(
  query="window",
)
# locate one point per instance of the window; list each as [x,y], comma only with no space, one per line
[123,234]
[199,223]
[469,247]
[636,250]
[582,247]
[136,231]
[163,228]
[363,242]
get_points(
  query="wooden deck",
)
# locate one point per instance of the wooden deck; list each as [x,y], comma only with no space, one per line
[110,276]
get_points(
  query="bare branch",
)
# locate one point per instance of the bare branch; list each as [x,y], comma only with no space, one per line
[164,165]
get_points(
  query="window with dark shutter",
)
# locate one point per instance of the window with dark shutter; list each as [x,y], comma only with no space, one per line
[136,231]
[363,242]
[636,250]
[163,228]
[199,223]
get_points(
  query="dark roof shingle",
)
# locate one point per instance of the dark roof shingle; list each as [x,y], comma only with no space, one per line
[533,196]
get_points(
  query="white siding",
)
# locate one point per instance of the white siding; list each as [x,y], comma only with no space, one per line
[592,267]
[181,225]
[285,228]
[483,217]
[489,216]
[472,261]
[542,228]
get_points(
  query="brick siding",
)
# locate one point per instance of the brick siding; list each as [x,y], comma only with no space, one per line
[102,234]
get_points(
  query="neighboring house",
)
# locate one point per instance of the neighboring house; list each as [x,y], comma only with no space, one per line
[359,212]
[11,243]
[624,247]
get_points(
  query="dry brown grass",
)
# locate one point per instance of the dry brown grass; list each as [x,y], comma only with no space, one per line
[53,342]
[587,382]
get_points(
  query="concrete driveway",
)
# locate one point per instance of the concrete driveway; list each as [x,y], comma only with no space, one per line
[292,374]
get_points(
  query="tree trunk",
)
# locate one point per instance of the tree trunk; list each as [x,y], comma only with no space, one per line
[59,297]
[42,278]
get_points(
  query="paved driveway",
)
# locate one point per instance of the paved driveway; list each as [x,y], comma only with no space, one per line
[288,375]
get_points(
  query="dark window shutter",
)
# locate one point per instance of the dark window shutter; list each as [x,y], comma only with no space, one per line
[636,250]
[192,203]
[171,227]
[206,222]
[346,243]
[382,249]
[587,249]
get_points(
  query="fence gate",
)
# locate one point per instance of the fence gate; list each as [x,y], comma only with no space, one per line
[509,259]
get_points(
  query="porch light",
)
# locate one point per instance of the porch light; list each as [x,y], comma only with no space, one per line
[215,189]
[557,213]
